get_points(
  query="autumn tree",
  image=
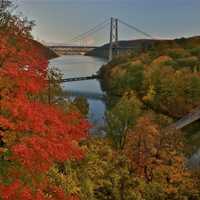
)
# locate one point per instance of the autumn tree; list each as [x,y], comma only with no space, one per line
[33,134]
[82,105]
[122,117]
[173,92]
[104,173]
[157,158]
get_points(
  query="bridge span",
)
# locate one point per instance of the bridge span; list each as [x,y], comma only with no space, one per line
[71,50]
[112,49]
[191,117]
[94,76]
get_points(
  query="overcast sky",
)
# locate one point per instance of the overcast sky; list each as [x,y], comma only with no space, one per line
[60,20]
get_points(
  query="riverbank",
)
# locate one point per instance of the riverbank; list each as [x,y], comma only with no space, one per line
[72,66]
[125,48]
[164,78]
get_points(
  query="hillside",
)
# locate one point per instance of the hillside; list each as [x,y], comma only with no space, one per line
[129,45]
[140,45]
[173,56]
[165,78]
[47,52]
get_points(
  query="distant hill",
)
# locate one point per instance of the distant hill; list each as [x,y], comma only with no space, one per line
[140,44]
[165,76]
[128,45]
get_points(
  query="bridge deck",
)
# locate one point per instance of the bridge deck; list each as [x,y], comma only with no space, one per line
[79,78]
[181,123]
[186,120]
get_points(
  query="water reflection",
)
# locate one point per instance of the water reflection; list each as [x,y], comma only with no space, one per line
[79,66]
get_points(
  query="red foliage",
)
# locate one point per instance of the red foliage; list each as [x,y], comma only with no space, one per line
[19,192]
[44,134]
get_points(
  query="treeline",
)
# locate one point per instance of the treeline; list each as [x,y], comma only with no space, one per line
[139,159]
[165,78]
[125,47]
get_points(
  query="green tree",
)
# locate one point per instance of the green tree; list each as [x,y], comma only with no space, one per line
[121,117]
[82,105]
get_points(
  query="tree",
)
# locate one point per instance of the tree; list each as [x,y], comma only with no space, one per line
[103,174]
[33,134]
[121,117]
[173,92]
[158,160]
[82,105]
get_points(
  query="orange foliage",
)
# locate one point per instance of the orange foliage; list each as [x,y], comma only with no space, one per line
[156,156]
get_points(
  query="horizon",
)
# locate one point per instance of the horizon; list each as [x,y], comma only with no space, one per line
[63,44]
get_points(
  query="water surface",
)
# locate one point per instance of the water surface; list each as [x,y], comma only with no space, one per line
[80,66]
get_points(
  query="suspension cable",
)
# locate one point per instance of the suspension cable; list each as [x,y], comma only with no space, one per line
[97,27]
[135,28]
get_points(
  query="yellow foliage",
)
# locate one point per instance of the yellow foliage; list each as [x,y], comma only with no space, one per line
[161,60]
[136,62]
[150,94]
[9,137]
[117,71]
[156,157]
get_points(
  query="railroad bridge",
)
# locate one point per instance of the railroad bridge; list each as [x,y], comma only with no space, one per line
[94,76]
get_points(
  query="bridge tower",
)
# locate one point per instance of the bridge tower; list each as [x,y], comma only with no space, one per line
[113,37]
[2,3]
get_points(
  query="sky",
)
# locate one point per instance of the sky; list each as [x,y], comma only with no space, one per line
[58,21]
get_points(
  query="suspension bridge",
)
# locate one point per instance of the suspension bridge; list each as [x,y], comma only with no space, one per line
[113,46]
[113,49]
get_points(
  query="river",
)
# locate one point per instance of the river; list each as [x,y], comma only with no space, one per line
[80,66]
